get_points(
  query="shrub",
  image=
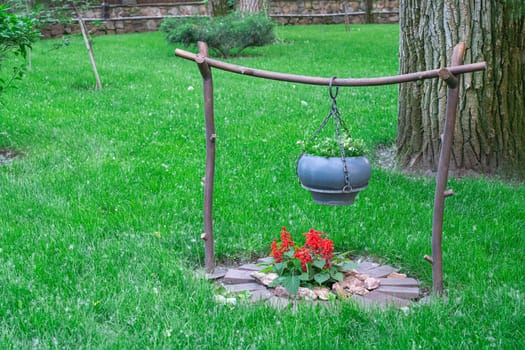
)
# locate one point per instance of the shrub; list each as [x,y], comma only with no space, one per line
[228,35]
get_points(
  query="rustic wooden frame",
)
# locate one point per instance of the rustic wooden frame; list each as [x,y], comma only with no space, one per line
[449,75]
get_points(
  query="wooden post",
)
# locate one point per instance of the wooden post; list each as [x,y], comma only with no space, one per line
[347,19]
[205,70]
[89,46]
[443,166]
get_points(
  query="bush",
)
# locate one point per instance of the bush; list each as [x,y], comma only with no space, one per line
[228,35]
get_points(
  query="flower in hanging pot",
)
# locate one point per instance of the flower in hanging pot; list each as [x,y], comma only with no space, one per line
[330,147]
[334,169]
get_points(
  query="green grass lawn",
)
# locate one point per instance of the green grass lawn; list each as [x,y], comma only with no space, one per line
[100,219]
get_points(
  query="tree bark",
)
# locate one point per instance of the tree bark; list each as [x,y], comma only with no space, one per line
[219,8]
[490,132]
[369,11]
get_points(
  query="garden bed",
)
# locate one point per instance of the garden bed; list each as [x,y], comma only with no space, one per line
[369,284]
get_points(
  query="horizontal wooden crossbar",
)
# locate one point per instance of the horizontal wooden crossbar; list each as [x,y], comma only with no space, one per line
[302,79]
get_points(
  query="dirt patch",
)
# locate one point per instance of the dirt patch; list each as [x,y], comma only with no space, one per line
[386,157]
[7,155]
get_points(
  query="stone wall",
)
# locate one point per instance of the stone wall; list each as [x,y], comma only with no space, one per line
[134,16]
[119,19]
[333,11]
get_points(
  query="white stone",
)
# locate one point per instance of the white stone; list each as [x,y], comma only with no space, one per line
[371,283]
[349,286]
[280,291]
[397,275]
[306,294]
[355,290]
[264,278]
[362,276]
[322,293]
[221,299]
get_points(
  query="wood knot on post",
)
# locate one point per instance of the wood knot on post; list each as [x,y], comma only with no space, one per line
[448,77]
[246,71]
[213,137]
[199,59]
[204,237]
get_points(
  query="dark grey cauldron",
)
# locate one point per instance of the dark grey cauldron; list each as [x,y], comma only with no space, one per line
[325,178]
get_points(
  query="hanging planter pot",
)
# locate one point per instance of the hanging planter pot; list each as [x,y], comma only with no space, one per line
[327,181]
[334,168]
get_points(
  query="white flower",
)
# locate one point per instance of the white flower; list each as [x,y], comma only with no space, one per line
[190,88]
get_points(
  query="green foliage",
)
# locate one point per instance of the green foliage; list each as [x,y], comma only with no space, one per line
[185,30]
[228,35]
[17,33]
[330,146]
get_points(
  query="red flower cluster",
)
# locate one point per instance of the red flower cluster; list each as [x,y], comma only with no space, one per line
[316,247]
[279,249]
[303,254]
[319,246]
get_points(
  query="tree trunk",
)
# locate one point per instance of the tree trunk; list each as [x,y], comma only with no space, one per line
[219,8]
[490,132]
[369,11]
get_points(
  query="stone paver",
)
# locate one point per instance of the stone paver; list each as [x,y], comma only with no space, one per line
[263,294]
[378,271]
[266,260]
[401,282]
[250,287]
[251,267]
[278,303]
[400,292]
[375,298]
[219,272]
[236,276]
[366,265]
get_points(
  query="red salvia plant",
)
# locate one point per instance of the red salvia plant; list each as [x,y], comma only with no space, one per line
[311,264]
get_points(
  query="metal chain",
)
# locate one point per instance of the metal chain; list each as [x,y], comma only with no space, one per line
[338,124]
